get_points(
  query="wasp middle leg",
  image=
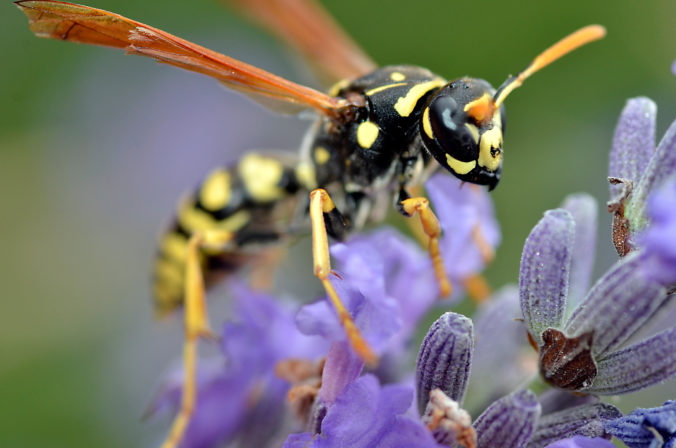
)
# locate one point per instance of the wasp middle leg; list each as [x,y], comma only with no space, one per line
[431,227]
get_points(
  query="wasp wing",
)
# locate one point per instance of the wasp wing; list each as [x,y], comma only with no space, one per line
[306,26]
[76,23]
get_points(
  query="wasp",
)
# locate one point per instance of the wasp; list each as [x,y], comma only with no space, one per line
[379,133]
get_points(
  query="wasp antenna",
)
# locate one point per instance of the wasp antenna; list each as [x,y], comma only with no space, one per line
[569,43]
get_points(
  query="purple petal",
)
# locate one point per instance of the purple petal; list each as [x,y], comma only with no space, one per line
[366,415]
[659,239]
[444,358]
[586,420]
[232,395]
[584,210]
[405,269]
[637,366]
[300,440]
[633,143]
[508,422]
[619,304]
[502,358]
[377,316]
[462,209]
[582,442]
[545,267]
[647,428]
[341,368]
[662,165]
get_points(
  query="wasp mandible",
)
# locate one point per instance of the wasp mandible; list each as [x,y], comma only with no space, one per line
[379,133]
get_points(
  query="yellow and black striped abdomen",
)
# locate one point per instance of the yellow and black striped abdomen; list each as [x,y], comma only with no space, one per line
[249,200]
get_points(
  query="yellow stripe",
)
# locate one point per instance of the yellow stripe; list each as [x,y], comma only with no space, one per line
[322,155]
[337,87]
[385,87]
[458,166]
[305,173]
[474,131]
[173,246]
[405,104]
[397,76]
[195,220]
[367,134]
[427,126]
[215,191]
[261,176]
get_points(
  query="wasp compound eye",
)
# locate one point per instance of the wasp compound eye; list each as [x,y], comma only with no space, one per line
[448,136]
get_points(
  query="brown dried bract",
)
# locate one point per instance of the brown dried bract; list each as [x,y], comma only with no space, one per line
[566,362]
[306,379]
[621,228]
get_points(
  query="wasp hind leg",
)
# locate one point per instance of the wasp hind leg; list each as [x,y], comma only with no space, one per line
[196,326]
[323,214]
[432,229]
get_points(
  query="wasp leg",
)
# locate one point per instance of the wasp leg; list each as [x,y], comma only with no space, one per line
[432,229]
[485,249]
[321,210]
[196,326]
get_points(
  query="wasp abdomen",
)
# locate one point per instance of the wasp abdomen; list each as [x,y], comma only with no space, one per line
[249,200]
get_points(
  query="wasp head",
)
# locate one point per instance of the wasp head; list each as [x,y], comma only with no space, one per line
[462,129]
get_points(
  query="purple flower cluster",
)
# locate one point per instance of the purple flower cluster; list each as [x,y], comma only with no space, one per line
[289,377]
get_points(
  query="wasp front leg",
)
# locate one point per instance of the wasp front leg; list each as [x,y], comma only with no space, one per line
[196,325]
[323,214]
[430,224]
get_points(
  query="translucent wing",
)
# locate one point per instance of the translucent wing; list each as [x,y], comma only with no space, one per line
[306,26]
[75,23]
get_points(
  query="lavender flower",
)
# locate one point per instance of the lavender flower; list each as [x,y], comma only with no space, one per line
[636,168]
[659,239]
[582,442]
[368,415]
[243,393]
[647,428]
[470,230]
[583,420]
[584,352]
[388,282]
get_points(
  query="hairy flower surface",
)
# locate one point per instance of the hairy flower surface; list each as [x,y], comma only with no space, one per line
[637,167]
[584,352]
[647,428]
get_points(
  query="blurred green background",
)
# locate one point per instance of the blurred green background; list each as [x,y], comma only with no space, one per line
[95,149]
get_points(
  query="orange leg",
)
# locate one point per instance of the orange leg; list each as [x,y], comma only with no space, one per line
[432,229]
[196,326]
[321,204]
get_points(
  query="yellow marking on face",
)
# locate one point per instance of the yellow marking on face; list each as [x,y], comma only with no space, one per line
[261,176]
[481,108]
[305,173]
[474,131]
[397,76]
[322,155]
[491,139]
[367,133]
[459,166]
[427,126]
[405,104]
[174,246]
[385,87]
[215,191]
[337,87]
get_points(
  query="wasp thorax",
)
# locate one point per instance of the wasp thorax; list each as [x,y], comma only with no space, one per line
[463,131]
